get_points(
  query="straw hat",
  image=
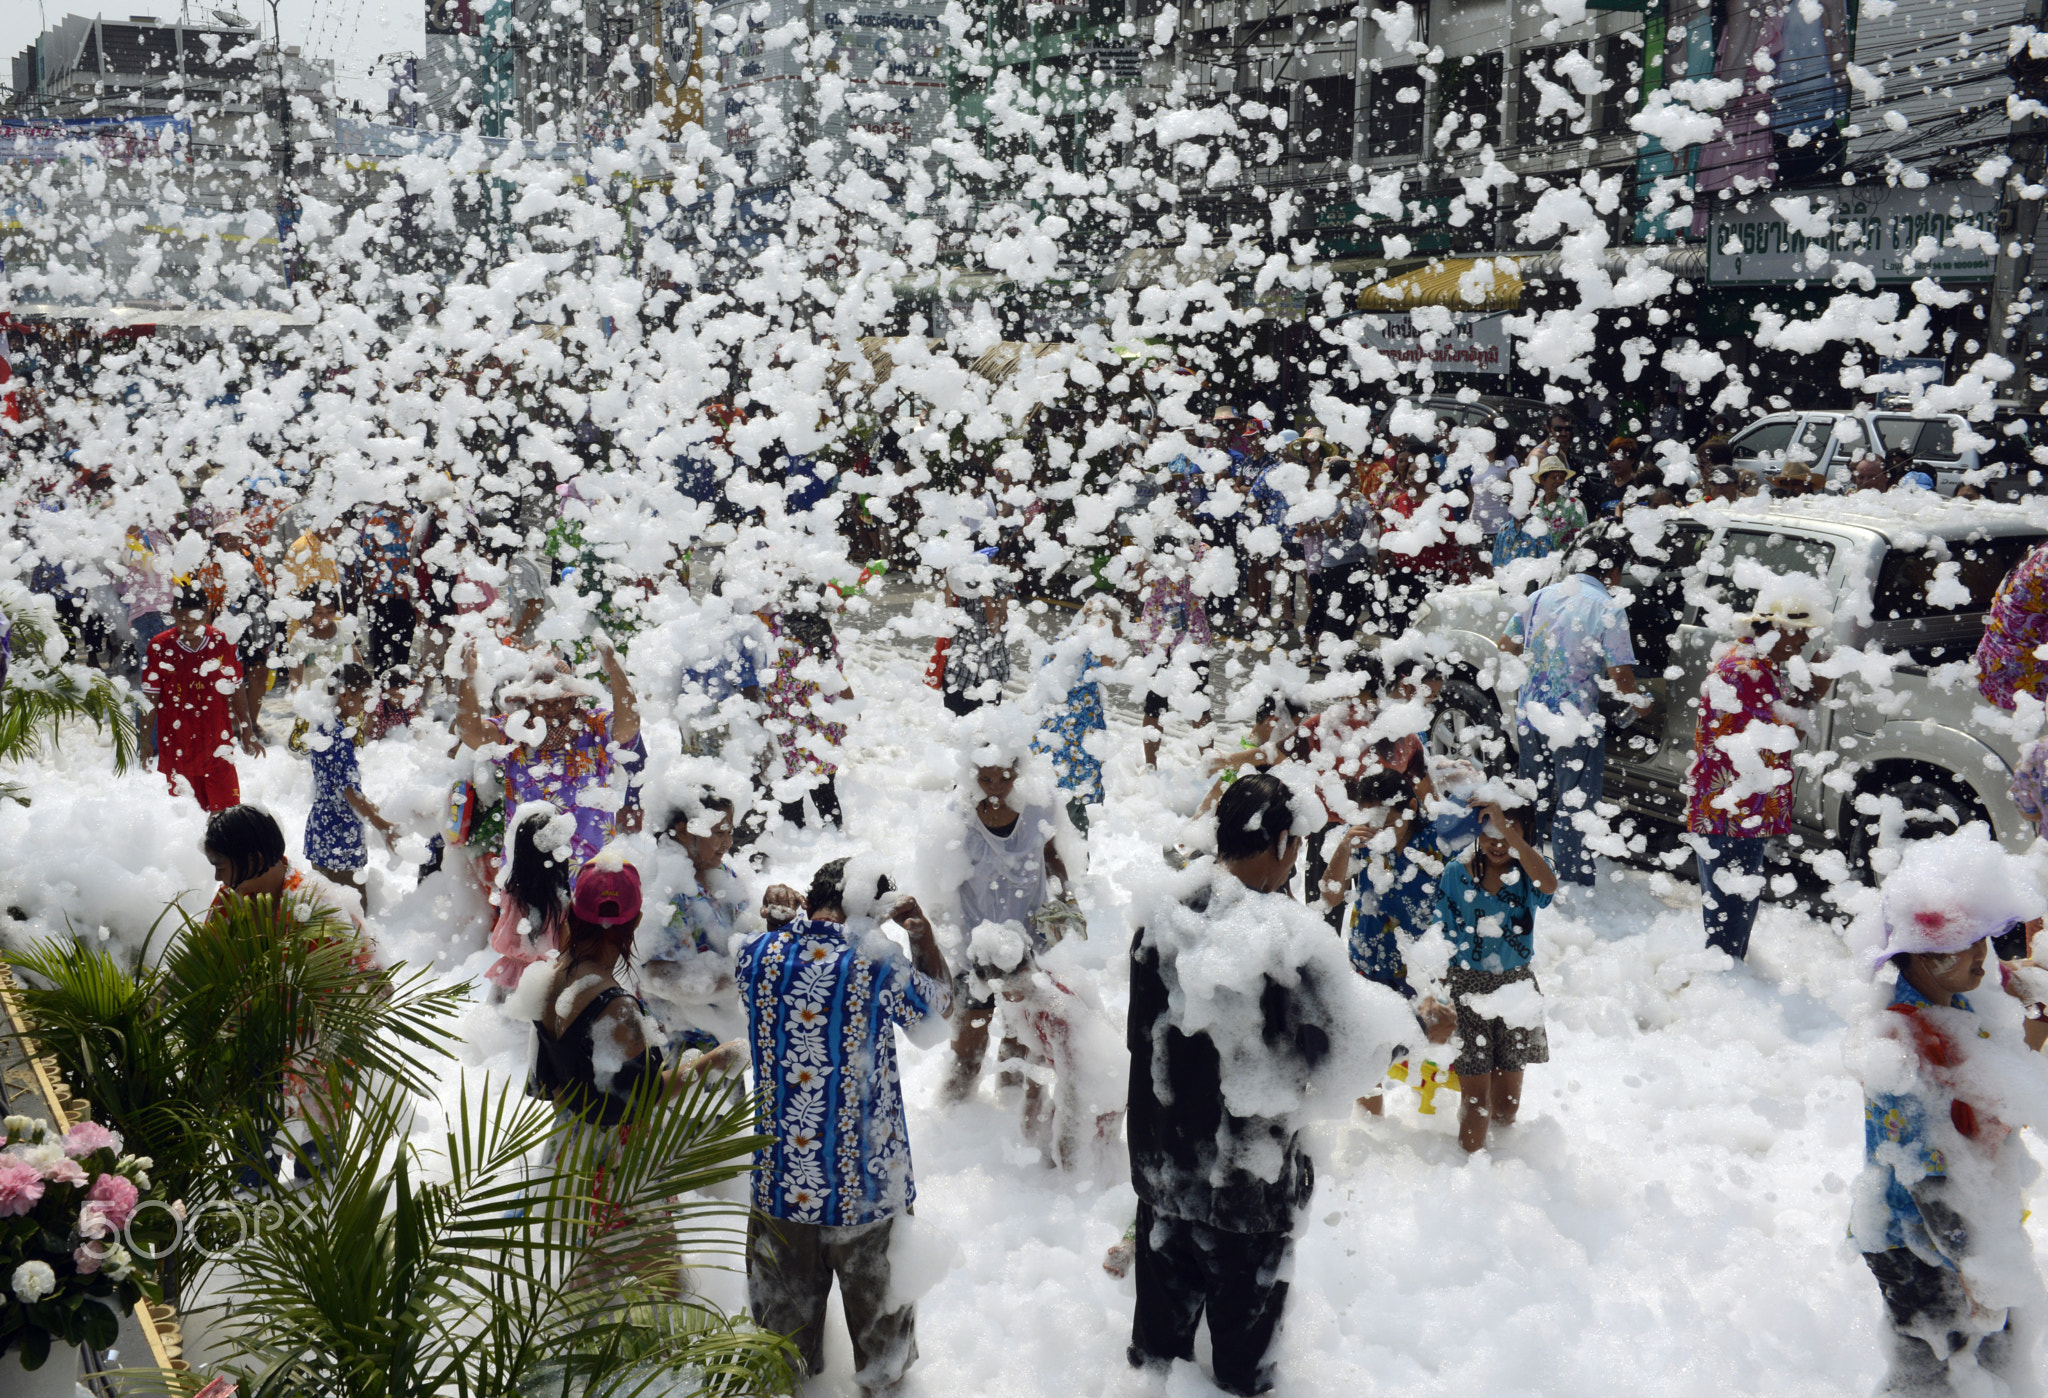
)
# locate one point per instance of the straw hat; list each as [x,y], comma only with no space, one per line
[1553,466]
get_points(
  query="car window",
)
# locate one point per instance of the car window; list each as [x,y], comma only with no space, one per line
[1783,554]
[1896,432]
[1765,439]
[1813,438]
[1912,582]
[1937,441]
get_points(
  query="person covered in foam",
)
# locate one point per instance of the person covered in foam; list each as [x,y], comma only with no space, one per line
[1948,1079]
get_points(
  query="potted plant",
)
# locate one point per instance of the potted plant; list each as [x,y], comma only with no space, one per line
[76,1248]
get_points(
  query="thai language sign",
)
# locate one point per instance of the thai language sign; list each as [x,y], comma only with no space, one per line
[1474,344]
[1880,234]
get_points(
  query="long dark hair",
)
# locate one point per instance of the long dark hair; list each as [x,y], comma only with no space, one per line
[248,838]
[538,879]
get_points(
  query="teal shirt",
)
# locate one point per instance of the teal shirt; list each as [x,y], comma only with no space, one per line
[1489,931]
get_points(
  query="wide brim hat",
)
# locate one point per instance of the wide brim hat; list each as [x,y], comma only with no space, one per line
[1552,466]
[1951,892]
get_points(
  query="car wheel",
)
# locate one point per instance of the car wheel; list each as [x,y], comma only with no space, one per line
[1468,725]
[1930,805]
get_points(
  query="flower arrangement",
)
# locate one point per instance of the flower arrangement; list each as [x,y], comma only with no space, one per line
[71,1226]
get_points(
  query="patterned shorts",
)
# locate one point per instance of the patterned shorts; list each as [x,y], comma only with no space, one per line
[1491,1045]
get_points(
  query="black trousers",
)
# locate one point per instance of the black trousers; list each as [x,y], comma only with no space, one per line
[1185,1268]
[391,629]
[825,796]
[790,1268]
[1921,1299]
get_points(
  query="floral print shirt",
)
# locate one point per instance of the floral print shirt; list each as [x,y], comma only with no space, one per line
[2016,627]
[795,704]
[1065,734]
[1741,778]
[1170,614]
[1897,1149]
[566,777]
[822,1018]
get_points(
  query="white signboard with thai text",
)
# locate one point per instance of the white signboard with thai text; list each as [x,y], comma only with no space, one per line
[1474,344]
[1878,233]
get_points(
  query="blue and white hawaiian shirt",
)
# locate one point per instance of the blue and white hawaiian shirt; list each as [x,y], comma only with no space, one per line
[1573,632]
[1065,734]
[822,1017]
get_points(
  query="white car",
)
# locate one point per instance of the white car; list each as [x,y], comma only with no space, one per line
[1830,441]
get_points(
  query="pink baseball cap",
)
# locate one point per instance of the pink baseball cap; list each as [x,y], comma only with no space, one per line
[606,892]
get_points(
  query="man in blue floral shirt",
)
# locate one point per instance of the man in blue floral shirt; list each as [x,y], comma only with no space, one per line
[1576,635]
[824,1000]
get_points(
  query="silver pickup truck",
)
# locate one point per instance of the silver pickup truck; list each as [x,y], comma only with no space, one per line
[1908,725]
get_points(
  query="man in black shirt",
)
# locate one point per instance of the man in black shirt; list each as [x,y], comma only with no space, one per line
[1217,1192]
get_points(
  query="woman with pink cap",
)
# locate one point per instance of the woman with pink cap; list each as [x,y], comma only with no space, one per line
[1937,1211]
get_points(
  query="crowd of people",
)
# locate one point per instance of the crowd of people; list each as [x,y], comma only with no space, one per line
[1388,892]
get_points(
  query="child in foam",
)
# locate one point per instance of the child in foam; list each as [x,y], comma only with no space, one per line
[1389,898]
[1487,904]
[1009,849]
[1937,1212]
[532,893]
[334,825]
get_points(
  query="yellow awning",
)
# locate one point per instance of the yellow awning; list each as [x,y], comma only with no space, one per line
[1462,283]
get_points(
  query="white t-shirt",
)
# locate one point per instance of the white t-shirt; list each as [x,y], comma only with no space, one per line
[1006,873]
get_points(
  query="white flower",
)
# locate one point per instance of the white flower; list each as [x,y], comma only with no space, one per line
[33,1281]
[18,1125]
[117,1263]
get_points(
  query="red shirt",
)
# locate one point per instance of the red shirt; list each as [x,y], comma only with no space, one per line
[190,689]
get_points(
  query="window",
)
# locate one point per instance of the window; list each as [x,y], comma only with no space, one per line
[1471,102]
[1912,588]
[1322,126]
[1536,77]
[1393,123]
[1903,583]
[1783,554]
[1813,440]
[1766,440]
[1620,59]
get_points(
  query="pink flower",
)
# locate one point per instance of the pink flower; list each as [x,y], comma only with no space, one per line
[21,1187]
[87,1257]
[64,1171]
[89,1136]
[117,1197]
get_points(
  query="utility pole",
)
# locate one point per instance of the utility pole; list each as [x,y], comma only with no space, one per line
[2019,217]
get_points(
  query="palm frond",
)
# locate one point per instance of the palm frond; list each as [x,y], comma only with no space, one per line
[479,1272]
[42,695]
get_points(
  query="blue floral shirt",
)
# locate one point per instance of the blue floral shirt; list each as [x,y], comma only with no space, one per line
[1064,736]
[1489,931]
[1572,632]
[334,832]
[1392,901]
[822,1017]
[1895,1135]
[1514,541]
